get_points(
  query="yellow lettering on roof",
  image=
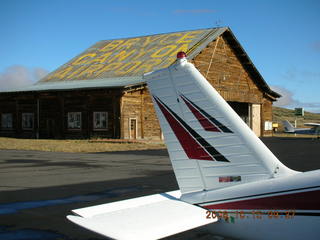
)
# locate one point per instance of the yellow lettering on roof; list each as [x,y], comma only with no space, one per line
[170,38]
[189,37]
[164,51]
[83,59]
[62,73]
[111,45]
[150,39]
[130,42]
[110,66]
[141,52]
[147,66]
[90,70]
[102,58]
[128,56]
[76,72]
[168,61]
[181,48]
[122,55]
[128,67]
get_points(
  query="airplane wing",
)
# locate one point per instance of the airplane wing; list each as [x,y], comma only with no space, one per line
[150,217]
[312,124]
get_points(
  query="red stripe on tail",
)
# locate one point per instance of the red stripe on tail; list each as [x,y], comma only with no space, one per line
[191,147]
[205,123]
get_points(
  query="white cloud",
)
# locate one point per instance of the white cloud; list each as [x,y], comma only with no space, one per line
[19,76]
[39,73]
[287,100]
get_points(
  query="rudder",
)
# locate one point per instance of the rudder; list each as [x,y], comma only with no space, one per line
[209,145]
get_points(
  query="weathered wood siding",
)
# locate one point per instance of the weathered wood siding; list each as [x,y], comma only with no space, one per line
[151,122]
[220,65]
[130,109]
[138,105]
[266,115]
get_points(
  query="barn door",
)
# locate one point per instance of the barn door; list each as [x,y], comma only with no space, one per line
[133,128]
[256,119]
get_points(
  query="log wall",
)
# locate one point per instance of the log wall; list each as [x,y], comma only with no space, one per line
[53,109]
[221,67]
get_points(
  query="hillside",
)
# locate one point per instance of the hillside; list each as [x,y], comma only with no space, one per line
[280,114]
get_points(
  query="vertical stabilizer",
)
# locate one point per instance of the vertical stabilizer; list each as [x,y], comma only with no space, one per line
[288,127]
[209,145]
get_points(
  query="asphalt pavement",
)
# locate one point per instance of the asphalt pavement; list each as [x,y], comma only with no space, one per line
[38,189]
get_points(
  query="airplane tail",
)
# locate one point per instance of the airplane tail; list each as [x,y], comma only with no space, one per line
[210,147]
[288,126]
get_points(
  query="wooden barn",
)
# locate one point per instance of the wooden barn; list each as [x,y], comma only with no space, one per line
[101,93]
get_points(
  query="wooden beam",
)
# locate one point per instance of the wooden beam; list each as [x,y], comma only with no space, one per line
[142,113]
[211,59]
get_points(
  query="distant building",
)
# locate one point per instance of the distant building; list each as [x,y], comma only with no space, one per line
[101,93]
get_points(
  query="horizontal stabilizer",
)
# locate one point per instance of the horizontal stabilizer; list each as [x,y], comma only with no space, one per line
[151,217]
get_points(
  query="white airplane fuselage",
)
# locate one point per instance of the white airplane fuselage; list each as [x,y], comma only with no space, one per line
[279,208]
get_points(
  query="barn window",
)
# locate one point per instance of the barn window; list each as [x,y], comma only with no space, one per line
[27,121]
[74,120]
[100,120]
[6,120]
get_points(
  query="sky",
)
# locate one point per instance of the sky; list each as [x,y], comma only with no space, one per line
[282,38]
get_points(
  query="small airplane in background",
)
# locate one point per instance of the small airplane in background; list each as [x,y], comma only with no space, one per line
[228,179]
[289,128]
